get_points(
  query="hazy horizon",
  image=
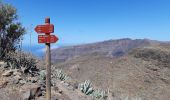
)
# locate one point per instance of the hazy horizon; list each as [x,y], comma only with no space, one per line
[39,49]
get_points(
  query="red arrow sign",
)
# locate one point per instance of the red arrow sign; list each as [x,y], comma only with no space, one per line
[47,39]
[48,28]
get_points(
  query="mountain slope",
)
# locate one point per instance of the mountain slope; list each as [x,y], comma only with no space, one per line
[133,75]
[110,48]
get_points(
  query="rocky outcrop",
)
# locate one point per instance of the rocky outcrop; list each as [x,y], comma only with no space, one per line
[30,91]
[160,56]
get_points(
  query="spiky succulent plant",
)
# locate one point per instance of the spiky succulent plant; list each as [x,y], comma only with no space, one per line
[42,75]
[86,87]
[99,94]
[61,75]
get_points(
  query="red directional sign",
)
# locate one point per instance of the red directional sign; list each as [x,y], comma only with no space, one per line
[48,28]
[47,39]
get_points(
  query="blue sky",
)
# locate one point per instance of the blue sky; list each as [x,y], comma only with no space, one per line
[87,21]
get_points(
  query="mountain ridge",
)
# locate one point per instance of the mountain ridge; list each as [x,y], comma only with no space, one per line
[109,48]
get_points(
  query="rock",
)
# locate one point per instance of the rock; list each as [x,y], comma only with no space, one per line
[7,73]
[26,95]
[60,91]
[33,79]
[43,93]
[17,73]
[75,67]
[14,72]
[40,98]
[66,84]
[62,82]
[55,88]
[3,64]
[23,69]
[16,79]
[3,84]
[75,85]
[34,90]
[54,98]
[43,86]
[22,82]
[70,88]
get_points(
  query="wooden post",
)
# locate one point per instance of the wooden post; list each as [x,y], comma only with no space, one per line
[47,39]
[48,66]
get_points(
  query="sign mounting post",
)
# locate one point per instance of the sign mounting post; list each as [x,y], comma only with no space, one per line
[47,39]
[48,65]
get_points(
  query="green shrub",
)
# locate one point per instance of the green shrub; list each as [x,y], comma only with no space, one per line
[24,61]
[11,30]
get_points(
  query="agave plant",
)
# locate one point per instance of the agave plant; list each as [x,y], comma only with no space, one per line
[42,75]
[86,87]
[61,75]
[99,94]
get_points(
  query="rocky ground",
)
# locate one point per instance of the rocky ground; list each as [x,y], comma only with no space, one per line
[15,85]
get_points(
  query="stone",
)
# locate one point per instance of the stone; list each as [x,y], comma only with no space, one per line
[40,98]
[35,91]
[55,88]
[70,88]
[33,88]
[54,98]
[16,79]
[66,84]
[60,91]
[75,85]
[3,83]
[3,64]
[33,79]
[22,82]
[26,95]
[7,73]
[17,73]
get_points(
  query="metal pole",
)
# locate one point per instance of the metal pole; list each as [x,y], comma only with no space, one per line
[48,66]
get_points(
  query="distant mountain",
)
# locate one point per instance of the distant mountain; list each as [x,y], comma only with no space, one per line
[141,70]
[110,48]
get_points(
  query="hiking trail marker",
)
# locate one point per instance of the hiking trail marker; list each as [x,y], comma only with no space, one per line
[47,29]
[47,38]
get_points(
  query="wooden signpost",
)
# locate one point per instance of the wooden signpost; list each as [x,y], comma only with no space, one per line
[48,28]
[47,39]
